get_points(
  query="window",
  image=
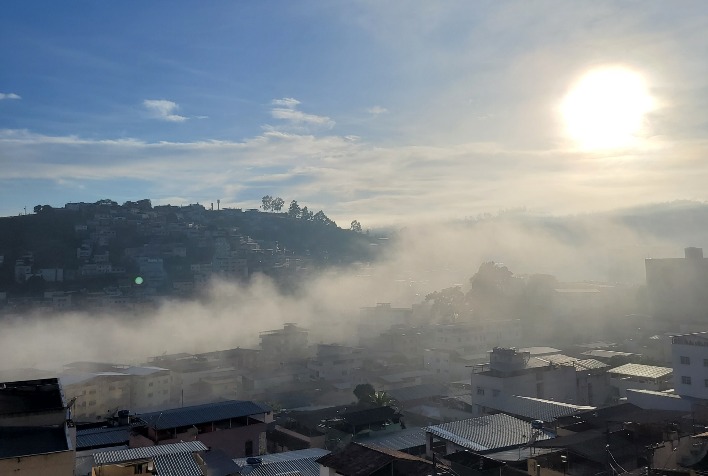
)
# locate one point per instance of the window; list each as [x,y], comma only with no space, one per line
[480,391]
[686,380]
[495,393]
[685,360]
[249,448]
[705,362]
[705,382]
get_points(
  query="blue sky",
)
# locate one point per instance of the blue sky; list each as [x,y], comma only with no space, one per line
[383,112]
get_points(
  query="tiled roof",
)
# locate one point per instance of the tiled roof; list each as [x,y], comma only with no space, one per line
[535,408]
[109,457]
[180,464]
[197,414]
[97,437]
[487,433]
[639,370]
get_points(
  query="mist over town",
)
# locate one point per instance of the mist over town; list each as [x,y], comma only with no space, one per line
[309,239]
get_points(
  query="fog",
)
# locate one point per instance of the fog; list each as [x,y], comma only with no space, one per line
[415,261]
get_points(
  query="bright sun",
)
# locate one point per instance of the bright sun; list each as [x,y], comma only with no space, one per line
[605,109]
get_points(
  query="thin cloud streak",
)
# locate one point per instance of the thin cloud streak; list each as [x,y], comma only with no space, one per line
[163,109]
[361,180]
[9,96]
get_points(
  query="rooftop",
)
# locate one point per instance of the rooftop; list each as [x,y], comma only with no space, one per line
[536,408]
[644,371]
[197,414]
[25,441]
[179,464]
[487,433]
[102,437]
[356,459]
[30,396]
[147,452]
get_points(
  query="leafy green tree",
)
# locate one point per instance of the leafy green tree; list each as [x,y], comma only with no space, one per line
[355,226]
[363,392]
[277,204]
[267,203]
[306,214]
[382,399]
[294,210]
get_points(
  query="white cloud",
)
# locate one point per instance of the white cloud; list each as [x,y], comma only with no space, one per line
[164,110]
[286,102]
[9,96]
[287,111]
[377,110]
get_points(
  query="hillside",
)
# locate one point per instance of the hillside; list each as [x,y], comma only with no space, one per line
[107,253]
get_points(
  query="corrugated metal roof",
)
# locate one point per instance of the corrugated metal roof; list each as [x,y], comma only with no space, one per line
[181,464]
[400,440]
[298,467]
[147,452]
[590,364]
[487,433]
[287,456]
[95,437]
[639,370]
[535,408]
[197,414]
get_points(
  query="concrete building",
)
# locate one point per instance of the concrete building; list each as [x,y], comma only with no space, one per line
[551,377]
[286,344]
[236,427]
[641,377]
[689,356]
[677,287]
[336,363]
[98,395]
[36,438]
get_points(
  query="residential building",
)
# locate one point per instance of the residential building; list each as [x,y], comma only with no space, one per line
[638,376]
[689,355]
[551,377]
[36,438]
[156,460]
[286,344]
[483,435]
[97,395]
[336,363]
[676,287]
[375,320]
[236,427]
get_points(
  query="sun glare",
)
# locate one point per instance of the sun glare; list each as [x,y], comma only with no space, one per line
[606,108]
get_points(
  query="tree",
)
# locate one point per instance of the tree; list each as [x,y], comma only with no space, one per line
[294,210]
[355,226]
[363,392]
[277,204]
[37,208]
[267,203]
[306,214]
[382,399]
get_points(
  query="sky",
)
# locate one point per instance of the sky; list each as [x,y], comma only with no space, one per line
[383,112]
